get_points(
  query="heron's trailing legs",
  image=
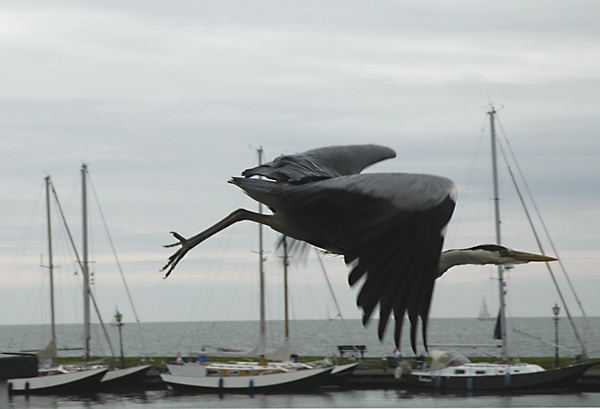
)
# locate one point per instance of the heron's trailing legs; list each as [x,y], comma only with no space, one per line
[188,244]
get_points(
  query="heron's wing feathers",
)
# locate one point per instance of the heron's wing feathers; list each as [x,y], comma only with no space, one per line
[321,163]
[389,227]
[399,265]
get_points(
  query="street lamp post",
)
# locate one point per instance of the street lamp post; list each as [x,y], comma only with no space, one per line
[556,311]
[119,319]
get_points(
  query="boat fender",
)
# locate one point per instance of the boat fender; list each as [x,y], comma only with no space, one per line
[26,387]
[220,383]
[507,380]
[251,384]
[438,382]
[470,384]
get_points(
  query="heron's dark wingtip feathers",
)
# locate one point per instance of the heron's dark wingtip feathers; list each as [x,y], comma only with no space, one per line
[424,309]
[357,272]
[399,318]
[381,330]
[413,332]
[365,319]
[384,315]
[424,333]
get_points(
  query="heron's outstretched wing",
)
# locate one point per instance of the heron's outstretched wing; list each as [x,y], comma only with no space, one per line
[389,227]
[321,163]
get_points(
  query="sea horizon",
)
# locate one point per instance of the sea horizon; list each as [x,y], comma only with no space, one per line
[527,336]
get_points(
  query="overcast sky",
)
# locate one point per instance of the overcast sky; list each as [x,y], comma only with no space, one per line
[167,100]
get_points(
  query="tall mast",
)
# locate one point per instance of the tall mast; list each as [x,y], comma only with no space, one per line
[501,285]
[263,331]
[50,263]
[285,288]
[86,275]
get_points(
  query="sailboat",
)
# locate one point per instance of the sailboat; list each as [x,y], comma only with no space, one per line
[53,378]
[450,370]
[253,376]
[114,377]
[484,313]
[111,377]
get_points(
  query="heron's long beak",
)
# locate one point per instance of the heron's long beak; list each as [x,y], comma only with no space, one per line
[521,256]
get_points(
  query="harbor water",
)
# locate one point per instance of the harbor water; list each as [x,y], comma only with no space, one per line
[373,398]
[526,337]
[533,337]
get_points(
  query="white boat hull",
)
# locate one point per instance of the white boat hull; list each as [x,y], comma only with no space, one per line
[69,382]
[242,368]
[337,375]
[124,376]
[554,378]
[292,379]
[341,369]
[187,369]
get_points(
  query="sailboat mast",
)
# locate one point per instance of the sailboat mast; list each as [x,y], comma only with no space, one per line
[263,330]
[85,263]
[501,285]
[285,288]
[50,262]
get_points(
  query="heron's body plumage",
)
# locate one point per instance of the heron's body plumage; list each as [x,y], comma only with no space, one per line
[388,226]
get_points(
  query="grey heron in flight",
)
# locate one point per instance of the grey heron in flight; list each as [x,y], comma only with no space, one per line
[388,226]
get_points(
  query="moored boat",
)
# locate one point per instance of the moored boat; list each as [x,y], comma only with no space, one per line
[234,379]
[280,373]
[124,377]
[455,372]
[450,370]
[53,378]
[59,379]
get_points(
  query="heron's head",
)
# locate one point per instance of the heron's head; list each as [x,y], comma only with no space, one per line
[495,254]
[486,254]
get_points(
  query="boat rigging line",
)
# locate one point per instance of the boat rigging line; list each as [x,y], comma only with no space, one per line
[112,246]
[539,243]
[333,297]
[541,219]
[80,263]
[337,306]
[543,341]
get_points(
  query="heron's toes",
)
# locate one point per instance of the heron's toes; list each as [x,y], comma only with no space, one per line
[178,236]
[182,240]
[179,254]
[173,260]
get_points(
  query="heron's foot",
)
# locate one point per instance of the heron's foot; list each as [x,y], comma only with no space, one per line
[178,255]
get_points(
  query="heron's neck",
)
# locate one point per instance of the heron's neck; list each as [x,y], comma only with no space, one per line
[456,257]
